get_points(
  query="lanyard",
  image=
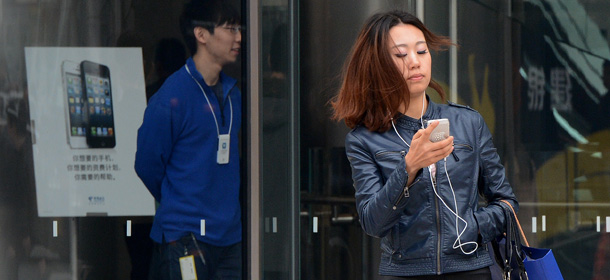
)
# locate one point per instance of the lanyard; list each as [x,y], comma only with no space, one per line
[210,104]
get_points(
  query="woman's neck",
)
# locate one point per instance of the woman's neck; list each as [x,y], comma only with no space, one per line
[416,108]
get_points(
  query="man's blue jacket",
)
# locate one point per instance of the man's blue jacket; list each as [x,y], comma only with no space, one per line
[176,159]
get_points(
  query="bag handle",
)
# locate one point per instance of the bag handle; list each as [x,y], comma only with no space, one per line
[517,220]
[514,234]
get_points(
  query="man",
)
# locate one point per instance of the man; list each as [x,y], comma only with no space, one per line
[187,154]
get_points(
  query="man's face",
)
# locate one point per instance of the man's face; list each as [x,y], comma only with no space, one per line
[224,44]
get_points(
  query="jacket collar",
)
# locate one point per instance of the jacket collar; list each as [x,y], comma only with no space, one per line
[227,82]
[432,112]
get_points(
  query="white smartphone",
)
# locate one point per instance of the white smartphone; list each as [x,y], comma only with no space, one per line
[74,103]
[441,131]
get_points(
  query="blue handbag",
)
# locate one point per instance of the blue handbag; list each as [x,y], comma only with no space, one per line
[518,260]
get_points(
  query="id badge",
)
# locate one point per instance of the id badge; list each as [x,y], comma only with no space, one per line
[187,268]
[224,141]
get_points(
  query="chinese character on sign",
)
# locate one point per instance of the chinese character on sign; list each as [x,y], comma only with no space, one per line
[561,98]
[535,91]
[96,167]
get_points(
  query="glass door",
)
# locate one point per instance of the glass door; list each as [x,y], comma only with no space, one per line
[537,71]
[279,231]
[332,243]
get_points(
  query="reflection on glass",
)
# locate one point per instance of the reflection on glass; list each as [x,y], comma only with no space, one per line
[277,145]
[32,247]
[333,245]
[563,131]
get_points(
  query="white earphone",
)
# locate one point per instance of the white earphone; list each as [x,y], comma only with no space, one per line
[432,171]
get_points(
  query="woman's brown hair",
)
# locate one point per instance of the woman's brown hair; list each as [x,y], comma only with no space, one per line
[373,87]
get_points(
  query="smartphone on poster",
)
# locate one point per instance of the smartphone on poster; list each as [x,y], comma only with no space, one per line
[97,89]
[74,105]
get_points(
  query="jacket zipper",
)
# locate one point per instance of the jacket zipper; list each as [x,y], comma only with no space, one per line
[438,229]
[222,110]
[222,116]
[405,193]
[405,190]
[465,145]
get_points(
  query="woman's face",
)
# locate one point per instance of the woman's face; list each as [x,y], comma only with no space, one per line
[410,52]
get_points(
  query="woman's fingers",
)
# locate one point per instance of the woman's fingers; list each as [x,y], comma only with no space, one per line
[428,131]
[423,152]
[442,148]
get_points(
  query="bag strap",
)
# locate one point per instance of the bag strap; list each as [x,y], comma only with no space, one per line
[509,246]
[504,259]
[515,243]
[518,224]
[512,247]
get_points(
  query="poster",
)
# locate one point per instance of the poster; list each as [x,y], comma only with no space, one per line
[86,105]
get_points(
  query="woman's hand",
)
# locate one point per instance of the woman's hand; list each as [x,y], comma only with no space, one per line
[423,152]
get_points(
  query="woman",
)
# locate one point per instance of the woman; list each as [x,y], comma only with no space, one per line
[420,197]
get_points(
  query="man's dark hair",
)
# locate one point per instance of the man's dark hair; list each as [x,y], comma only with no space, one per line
[207,14]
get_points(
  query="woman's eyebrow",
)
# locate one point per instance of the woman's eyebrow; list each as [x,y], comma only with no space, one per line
[406,45]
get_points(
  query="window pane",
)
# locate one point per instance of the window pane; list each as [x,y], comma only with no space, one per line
[65,220]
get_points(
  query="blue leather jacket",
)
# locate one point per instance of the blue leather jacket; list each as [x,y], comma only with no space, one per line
[418,231]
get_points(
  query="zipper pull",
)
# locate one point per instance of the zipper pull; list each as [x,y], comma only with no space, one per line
[391,256]
[455,157]
[406,191]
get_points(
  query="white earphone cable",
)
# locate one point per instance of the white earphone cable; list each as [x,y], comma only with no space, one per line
[459,233]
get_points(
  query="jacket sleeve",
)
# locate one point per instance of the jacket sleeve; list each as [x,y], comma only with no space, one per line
[379,204]
[493,185]
[154,145]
